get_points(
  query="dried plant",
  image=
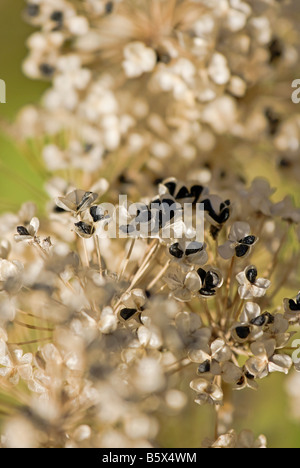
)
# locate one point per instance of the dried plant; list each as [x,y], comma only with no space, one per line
[102,320]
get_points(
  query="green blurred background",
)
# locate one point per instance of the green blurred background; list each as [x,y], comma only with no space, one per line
[268,411]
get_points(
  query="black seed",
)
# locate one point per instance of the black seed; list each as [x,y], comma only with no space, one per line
[218,218]
[273,120]
[129,229]
[85,228]
[22,231]
[167,202]
[241,250]
[32,10]
[196,191]
[109,7]
[224,216]
[249,240]
[85,198]
[284,163]
[58,209]
[46,69]
[99,371]
[241,381]
[158,181]
[148,294]
[171,186]
[242,332]
[126,314]
[207,292]
[212,280]
[57,16]
[96,214]
[251,275]
[88,147]
[204,367]
[269,318]
[176,251]
[193,251]
[215,231]
[202,274]
[294,306]
[163,57]
[144,215]
[259,321]
[249,376]
[275,49]
[183,193]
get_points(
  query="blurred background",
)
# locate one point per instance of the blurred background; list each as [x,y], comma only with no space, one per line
[266,411]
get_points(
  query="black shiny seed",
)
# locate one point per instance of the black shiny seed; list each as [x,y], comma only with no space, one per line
[249,240]
[58,209]
[183,193]
[269,317]
[259,321]
[241,381]
[193,251]
[241,250]
[126,314]
[275,49]
[212,280]
[224,211]
[176,251]
[85,228]
[96,214]
[148,294]
[251,275]
[167,202]
[171,186]
[242,332]
[249,376]
[204,367]
[196,191]
[224,216]
[294,306]
[207,292]
[46,69]
[155,204]
[202,274]
[57,16]
[22,231]
[32,10]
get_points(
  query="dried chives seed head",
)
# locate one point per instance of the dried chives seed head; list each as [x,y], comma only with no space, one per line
[108,309]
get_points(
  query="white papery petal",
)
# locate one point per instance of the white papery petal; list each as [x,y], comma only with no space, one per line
[280,363]
[239,231]
[193,281]
[250,312]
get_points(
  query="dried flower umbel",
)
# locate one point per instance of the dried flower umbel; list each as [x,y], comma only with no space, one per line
[97,326]
[96,332]
[170,79]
